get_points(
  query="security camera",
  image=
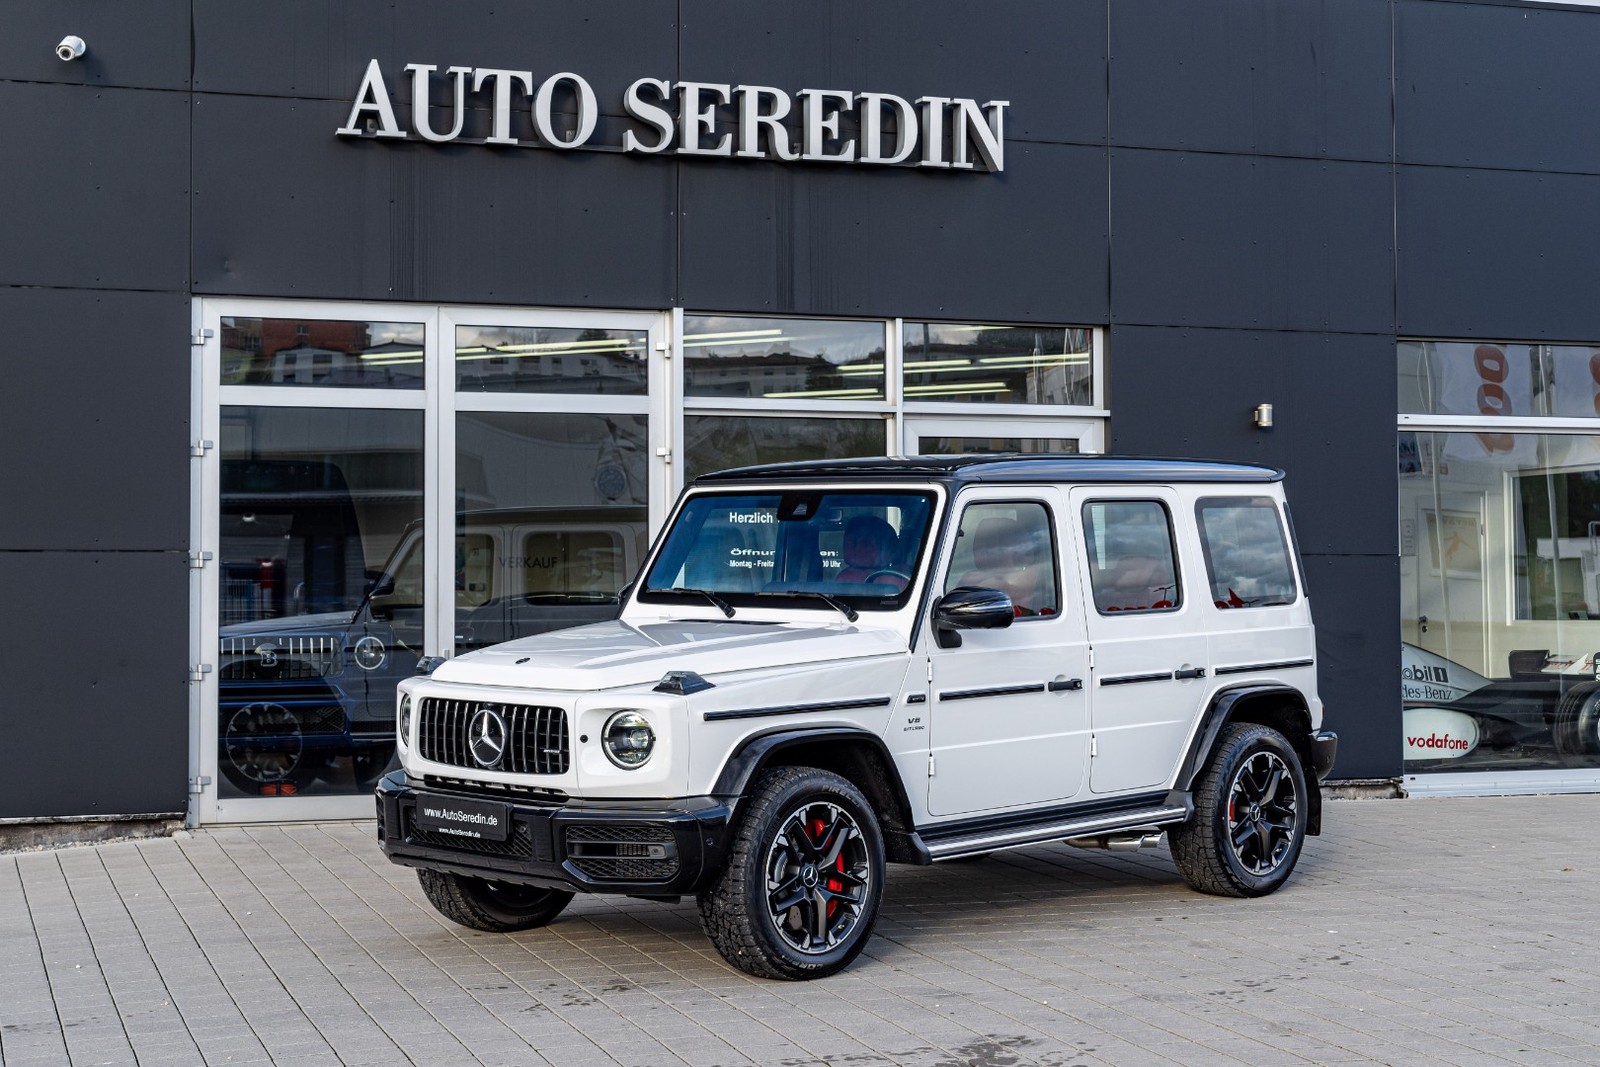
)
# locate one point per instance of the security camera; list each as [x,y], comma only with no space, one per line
[70,48]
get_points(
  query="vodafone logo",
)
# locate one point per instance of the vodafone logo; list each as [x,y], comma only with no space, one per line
[1446,742]
[1438,733]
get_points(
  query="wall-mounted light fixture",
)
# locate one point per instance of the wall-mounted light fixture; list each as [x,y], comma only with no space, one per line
[1263,416]
[71,47]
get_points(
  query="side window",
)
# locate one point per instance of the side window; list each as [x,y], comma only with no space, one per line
[1132,564]
[572,565]
[1008,546]
[1247,554]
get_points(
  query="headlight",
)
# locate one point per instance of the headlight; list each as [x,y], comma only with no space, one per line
[403,723]
[628,740]
[370,653]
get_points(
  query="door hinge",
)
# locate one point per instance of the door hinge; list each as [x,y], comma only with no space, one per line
[198,785]
[665,348]
[665,454]
[1094,747]
[1091,657]
[200,448]
[930,765]
[930,671]
[202,337]
[198,672]
[198,560]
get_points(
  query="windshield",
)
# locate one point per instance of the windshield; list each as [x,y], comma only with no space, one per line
[856,548]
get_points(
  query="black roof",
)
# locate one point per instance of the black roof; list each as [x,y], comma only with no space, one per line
[1005,467]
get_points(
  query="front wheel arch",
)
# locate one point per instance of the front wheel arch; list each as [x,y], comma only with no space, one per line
[858,756]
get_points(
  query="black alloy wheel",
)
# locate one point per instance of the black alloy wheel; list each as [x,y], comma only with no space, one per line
[499,907]
[799,894]
[1575,728]
[1249,821]
[1261,813]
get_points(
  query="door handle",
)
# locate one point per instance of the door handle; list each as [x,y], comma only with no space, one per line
[1190,672]
[1065,685]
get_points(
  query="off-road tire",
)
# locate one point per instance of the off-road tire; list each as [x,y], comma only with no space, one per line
[1247,831]
[1575,729]
[738,909]
[498,907]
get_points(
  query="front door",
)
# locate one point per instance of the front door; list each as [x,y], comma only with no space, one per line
[1150,653]
[1007,708]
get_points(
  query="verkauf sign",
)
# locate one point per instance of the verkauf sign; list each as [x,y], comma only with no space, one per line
[683,118]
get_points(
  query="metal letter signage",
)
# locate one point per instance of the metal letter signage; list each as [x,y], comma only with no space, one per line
[690,118]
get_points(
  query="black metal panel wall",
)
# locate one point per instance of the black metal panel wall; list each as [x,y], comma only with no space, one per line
[1498,187]
[94,297]
[1253,76]
[1190,392]
[1496,86]
[92,648]
[413,221]
[1048,59]
[898,242]
[1254,242]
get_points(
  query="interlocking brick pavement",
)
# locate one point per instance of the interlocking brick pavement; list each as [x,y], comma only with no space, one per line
[1439,931]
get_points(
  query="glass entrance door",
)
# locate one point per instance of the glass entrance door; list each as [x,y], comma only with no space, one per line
[549,428]
[376,484]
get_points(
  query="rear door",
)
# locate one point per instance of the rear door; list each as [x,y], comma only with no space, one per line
[1145,623]
[1007,709]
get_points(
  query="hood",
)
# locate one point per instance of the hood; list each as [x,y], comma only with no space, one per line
[607,655]
[323,622]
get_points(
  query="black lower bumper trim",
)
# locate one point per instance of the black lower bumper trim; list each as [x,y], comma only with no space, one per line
[637,848]
[1324,750]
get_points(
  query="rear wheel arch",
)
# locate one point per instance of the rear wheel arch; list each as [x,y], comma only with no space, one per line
[1279,707]
[858,756]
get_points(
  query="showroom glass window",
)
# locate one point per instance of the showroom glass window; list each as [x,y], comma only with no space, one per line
[752,388]
[1498,466]
[551,447]
[320,503]
[997,364]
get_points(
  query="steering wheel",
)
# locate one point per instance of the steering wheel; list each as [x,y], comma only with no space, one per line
[888,573]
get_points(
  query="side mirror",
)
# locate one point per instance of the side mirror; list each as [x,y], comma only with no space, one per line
[969,608]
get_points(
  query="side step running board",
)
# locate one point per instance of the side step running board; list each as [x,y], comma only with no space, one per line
[951,848]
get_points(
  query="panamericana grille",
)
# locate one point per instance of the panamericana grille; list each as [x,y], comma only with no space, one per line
[535,740]
[279,656]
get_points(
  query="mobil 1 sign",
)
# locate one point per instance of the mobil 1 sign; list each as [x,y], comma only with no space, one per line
[682,118]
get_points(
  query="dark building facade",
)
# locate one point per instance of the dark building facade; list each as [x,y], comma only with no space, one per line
[288,349]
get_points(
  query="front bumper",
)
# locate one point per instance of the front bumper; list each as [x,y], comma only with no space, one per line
[634,847]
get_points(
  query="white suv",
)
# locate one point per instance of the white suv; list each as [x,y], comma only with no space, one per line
[827,667]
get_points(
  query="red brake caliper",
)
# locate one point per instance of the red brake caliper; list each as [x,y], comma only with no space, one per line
[834,885]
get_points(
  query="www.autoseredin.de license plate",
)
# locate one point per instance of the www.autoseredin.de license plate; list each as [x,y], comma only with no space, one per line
[486,820]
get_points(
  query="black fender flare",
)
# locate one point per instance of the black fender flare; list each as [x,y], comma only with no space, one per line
[1222,710]
[881,784]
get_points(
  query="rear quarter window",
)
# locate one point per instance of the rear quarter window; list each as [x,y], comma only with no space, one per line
[1246,551]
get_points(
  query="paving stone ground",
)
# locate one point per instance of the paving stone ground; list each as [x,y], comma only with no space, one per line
[1439,931]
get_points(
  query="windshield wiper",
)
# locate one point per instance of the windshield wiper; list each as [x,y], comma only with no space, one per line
[720,604]
[833,602]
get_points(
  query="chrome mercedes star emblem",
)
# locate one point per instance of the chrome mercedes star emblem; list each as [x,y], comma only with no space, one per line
[486,736]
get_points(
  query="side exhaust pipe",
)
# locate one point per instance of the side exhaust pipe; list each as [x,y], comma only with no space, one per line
[1117,842]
